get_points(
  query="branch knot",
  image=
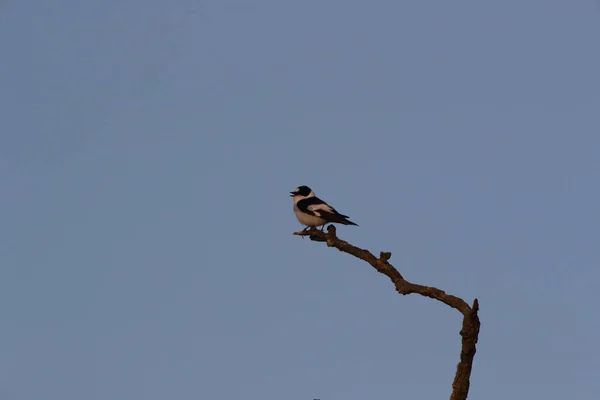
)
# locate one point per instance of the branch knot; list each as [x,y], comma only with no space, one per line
[385,256]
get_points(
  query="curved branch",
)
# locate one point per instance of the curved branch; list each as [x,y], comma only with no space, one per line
[471,324]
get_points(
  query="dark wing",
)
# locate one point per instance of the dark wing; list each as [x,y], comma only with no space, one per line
[309,204]
[317,207]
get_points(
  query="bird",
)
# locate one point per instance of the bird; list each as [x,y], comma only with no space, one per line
[312,211]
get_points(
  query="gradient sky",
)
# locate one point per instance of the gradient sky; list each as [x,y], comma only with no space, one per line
[146,154]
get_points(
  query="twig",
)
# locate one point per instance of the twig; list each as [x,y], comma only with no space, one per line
[470,326]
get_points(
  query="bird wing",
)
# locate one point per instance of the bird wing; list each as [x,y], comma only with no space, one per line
[314,206]
[318,208]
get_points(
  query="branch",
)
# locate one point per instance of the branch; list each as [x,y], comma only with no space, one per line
[471,324]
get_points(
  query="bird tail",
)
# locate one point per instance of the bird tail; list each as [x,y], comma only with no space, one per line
[337,218]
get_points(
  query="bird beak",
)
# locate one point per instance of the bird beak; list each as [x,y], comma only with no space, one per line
[292,194]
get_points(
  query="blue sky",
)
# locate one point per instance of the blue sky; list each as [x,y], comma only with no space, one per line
[146,154]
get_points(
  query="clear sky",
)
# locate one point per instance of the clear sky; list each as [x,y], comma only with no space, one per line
[146,154]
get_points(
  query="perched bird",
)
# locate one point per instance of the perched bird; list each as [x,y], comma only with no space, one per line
[312,211]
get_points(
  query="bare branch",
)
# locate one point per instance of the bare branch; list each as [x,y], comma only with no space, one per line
[471,324]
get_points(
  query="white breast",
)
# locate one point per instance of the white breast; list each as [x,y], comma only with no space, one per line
[307,219]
